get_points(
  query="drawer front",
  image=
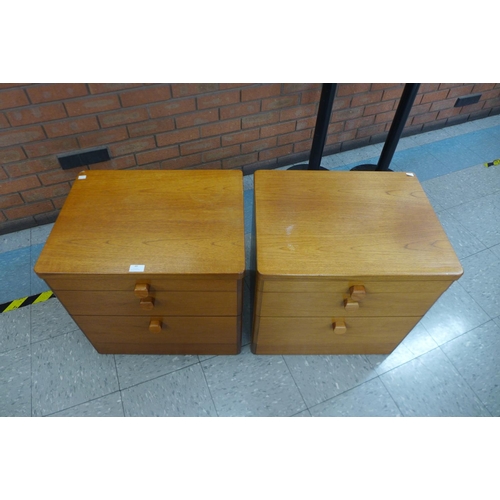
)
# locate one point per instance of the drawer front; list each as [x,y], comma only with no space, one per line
[337,304]
[342,286]
[97,303]
[128,283]
[188,335]
[317,336]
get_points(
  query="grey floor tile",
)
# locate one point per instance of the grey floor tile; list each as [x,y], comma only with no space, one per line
[370,399]
[497,321]
[16,240]
[68,371]
[50,319]
[480,217]
[429,386]
[384,362]
[40,234]
[14,329]
[248,210]
[496,250]
[15,274]
[15,383]
[248,182]
[454,313]
[183,393]
[107,406]
[305,413]
[246,317]
[481,280]
[419,341]
[463,241]
[252,386]
[476,357]
[322,377]
[135,369]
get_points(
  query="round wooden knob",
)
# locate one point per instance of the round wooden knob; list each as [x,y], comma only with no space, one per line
[155,326]
[357,292]
[147,304]
[141,290]
[350,305]
[339,327]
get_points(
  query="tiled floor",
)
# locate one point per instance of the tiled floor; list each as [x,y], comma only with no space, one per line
[447,366]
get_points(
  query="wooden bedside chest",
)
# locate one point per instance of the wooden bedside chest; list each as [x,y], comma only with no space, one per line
[347,262]
[151,262]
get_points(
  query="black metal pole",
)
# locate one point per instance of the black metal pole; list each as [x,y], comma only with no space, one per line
[398,124]
[321,128]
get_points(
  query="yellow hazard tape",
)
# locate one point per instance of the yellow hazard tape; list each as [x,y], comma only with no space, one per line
[25,301]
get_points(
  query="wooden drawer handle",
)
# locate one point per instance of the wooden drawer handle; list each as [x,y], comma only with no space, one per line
[339,327]
[141,290]
[147,304]
[155,326]
[357,292]
[349,305]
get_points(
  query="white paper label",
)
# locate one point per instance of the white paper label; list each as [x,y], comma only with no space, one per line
[409,174]
[82,176]
[136,268]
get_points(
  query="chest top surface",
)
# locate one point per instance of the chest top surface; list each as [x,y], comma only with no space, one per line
[325,223]
[170,222]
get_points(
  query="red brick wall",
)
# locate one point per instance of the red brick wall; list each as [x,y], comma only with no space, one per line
[182,126]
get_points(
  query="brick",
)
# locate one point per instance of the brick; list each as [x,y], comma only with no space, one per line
[123,117]
[145,96]
[122,162]
[393,94]
[224,86]
[359,122]
[240,137]
[260,145]
[32,166]
[239,161]
[490,94]
[46,192]
[213,165]
[177,137]
[157,155]
[18,185]
[71,126]
[3,121]
[101,137]
[383,86]
[307,123]
[434,96]
[294,137]
[22,135]
[289,88]
[280,102]
[444,104]
[472,108]
[260,119]
[92,104]
[386,117]
[132,146]
[341,137]
[182,162]
[10,200]
[261,91]
[460,91]
[277,129]
[424,118]
[449,85]
[58,204]
[482,87]
[12,98]
[419,109]
[366,98]
[492,103]
[12,154]
[2,217]
[172,107]
[12,85]
[302,146]
[341,103]
[369,131]
[3,175]
[220,128]
[238,110]
[381,107]
[189,89]
[311,96]
[218,99]
[100,88]
[276,152]
[36,114]
[428,87]
[55,91]
[298,112]
[200,146]
[150,127]
[57,176]
[349,114]
[352,88]
[220,153]
[53,146]
[27,210]
[198,118]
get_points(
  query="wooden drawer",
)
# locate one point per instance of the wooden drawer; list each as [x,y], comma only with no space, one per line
[178,335]
[316,335]
[332,304]
[97,303]
[128,282]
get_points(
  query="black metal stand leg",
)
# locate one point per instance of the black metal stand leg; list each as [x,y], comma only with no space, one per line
[397,126]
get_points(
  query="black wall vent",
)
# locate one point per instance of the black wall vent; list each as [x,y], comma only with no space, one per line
[466,100]
[83,158]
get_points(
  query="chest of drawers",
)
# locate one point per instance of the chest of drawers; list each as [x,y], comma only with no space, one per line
[347,262]
[151,262]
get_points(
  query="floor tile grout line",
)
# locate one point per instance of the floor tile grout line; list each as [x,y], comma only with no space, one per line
[119,385]
[392,397]
[209,391]
[295,382]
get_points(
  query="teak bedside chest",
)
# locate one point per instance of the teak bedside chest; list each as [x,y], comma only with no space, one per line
[151,262]
[347,262]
